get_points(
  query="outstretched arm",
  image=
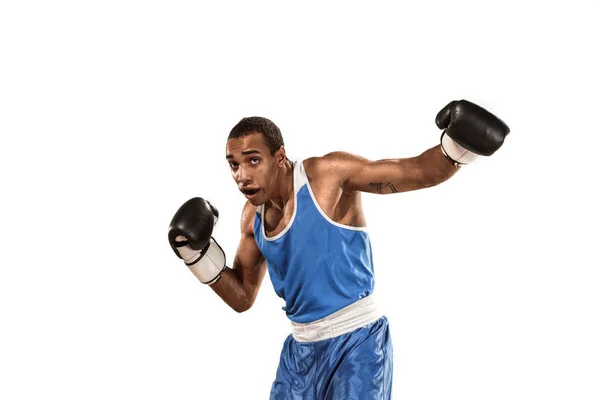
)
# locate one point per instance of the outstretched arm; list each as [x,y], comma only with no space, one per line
[391,175]
[469,131]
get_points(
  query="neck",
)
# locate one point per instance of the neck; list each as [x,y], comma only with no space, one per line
[284,186]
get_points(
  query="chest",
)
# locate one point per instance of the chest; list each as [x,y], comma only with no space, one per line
[325,193]
[277,218]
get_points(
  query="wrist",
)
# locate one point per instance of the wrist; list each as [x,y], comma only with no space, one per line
[454,152]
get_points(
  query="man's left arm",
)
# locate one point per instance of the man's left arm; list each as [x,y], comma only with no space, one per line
[469,131]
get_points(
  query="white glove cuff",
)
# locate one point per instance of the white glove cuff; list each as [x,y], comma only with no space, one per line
[455,153]
[188,254]
[211,264]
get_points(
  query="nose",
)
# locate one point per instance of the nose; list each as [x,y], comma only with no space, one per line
[242,177]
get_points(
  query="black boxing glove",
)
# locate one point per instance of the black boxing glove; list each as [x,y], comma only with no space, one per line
[190,236]
[469,131]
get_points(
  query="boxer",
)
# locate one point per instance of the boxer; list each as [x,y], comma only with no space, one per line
[303,221]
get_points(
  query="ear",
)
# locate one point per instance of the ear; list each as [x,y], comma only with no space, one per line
[280,157]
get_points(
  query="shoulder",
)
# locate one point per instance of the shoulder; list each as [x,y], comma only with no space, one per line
[316,168]
[335,165]
[324,164]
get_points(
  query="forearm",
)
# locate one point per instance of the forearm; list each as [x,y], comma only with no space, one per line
[435,166]
[396,175]
[230,288]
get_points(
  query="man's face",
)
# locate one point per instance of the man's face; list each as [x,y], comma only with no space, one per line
[253,167]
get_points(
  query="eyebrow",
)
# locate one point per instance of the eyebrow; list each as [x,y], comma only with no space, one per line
[244,153]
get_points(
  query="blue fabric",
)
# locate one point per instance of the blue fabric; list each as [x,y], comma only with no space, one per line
[316,266]
[353,366]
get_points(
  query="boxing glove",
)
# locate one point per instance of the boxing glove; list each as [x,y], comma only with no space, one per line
[190,236]
[469,131]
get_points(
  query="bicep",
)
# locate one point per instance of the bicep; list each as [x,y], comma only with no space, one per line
[249,263]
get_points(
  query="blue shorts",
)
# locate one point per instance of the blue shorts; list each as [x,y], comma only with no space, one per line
[353,366]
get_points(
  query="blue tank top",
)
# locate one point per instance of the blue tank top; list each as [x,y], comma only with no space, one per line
[317,265]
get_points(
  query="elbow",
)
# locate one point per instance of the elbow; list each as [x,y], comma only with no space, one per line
[242,306]
[241,309]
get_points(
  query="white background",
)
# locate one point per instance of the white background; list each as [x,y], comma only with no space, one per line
[113,113]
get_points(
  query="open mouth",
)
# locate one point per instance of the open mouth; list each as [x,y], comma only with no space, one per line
[250,192]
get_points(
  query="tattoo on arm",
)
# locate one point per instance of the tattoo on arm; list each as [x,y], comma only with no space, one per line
[380,186]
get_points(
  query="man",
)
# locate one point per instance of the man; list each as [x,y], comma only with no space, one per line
[304,222]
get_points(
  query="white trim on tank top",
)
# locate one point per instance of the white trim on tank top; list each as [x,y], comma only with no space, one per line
[297,186]
[300,179]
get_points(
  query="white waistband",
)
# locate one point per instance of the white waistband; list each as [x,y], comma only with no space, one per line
[349,318]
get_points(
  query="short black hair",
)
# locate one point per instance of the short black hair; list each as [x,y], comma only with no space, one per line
[261,125]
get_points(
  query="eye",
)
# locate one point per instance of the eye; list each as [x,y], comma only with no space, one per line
[232,165]
[254,160]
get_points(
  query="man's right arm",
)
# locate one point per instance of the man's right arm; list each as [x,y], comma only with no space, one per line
[238,286]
